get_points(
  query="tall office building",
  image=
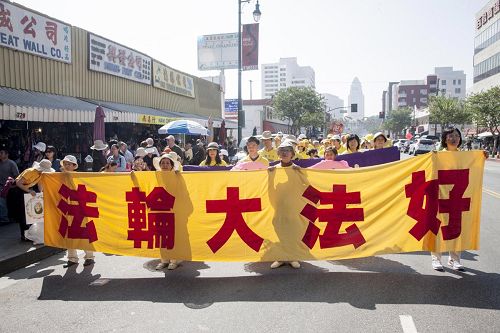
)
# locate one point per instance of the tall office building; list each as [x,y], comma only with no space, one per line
[451,83]
[487,47]
[286,73]
[356,97]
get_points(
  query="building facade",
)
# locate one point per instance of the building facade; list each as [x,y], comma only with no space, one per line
[451,83]
[286,73]
[487,47]
[415,93]
[356,97]
[334,106]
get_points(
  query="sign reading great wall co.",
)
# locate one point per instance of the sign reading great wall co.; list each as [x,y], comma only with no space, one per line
[25,31]
[171,80]
[111,58]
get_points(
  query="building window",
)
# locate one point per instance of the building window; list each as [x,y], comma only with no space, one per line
[457,90]
[412,91]
[443,82]
[414,99]
[423,100]
[423,92]
[443,91]
[459,81]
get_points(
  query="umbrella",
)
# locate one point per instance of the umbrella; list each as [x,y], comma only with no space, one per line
[183,127]
[99,131]
[222,133]
[485,135]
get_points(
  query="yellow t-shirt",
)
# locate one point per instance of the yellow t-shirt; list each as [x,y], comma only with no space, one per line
[31,177]
[212,163]
[302,155]
[260,159]
[341,150]
[271,155]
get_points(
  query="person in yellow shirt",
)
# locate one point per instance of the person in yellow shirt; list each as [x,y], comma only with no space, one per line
[213,157]
[302,150]
[353,144]
[253,152]
[337,144]
[25,183]
[268,151]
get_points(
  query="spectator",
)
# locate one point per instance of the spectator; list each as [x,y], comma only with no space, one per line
[129,158]
[8,168]
[175,148]
[99,160]
[117,158]
[51,155]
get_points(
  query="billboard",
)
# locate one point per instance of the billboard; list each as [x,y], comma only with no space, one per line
[250,47]
[112,58]
[25,31]
[218,51]
[169,79]
[231,109]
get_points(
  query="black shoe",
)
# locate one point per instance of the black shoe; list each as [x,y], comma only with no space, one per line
[24,239]
[69,264]
[88,262]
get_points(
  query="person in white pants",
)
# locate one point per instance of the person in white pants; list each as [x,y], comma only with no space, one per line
[70,164]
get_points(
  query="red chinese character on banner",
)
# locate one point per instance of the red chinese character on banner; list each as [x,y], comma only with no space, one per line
[112,53]
[158,230]
[233,206]
[78,211]
[419,190]
[28,29]
[339,198]
[51,31]
[5,18]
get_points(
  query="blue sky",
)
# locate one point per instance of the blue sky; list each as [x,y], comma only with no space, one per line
[376,40]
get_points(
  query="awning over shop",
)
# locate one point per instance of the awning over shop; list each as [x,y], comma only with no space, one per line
[23,105]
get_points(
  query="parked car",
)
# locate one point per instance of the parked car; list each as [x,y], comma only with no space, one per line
[421,146]
[400,143]
[405,148]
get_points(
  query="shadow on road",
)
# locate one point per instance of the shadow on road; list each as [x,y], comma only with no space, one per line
[473,289]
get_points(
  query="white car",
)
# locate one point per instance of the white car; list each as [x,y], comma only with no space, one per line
[421,146]
[400,143]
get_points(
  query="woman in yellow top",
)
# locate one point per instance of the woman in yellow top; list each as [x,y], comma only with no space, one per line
[353,144]
[302,150]
[213,158]
[451,140]
[25,183]
[167,163]
[379,140]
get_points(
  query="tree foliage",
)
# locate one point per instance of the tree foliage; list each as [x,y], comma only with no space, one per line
[485,109]
[446,111]
[398,120]
[301,107]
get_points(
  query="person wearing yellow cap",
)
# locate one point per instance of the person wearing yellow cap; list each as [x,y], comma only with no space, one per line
[379,140]
[268,152]
[369,141]
[302,150]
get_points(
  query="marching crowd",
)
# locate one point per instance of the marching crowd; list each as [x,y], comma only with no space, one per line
[115,156]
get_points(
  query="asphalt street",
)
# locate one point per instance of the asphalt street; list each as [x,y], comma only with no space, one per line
[390,293]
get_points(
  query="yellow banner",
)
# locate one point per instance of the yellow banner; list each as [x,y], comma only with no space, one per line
[154,120]
[431,203]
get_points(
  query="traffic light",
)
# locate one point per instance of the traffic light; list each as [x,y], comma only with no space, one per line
[381,115]
[354,108]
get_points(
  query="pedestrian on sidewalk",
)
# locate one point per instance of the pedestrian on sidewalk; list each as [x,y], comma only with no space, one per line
[70,164]
[51,155]
[8,169]
[25,183]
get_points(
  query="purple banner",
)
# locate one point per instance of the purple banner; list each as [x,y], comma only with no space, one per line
[364,159]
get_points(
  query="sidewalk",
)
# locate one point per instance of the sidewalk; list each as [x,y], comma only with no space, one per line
[15,254]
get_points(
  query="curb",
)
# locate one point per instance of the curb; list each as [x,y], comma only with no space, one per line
[27,258]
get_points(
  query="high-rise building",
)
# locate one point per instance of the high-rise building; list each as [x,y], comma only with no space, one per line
[415,93]
[356,97]
[334,105]
[286,73]
[451,83]
[487,47]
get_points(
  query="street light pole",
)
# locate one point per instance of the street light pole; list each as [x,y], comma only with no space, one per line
[256,17]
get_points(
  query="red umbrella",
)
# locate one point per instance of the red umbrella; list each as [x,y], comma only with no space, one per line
[99,131]
[222,133]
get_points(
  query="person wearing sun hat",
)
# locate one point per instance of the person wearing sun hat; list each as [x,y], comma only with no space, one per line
[98,155]
[337,144]
[70,164]
[302,150]
[379,140]
[268,152]
[286,154]
[38,151]
[213,157]
[25,183]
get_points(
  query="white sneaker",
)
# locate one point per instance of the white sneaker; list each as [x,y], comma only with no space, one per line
[173,265]
[294,264]
[455,265]
[276,264]
[161,266]
[436,265]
